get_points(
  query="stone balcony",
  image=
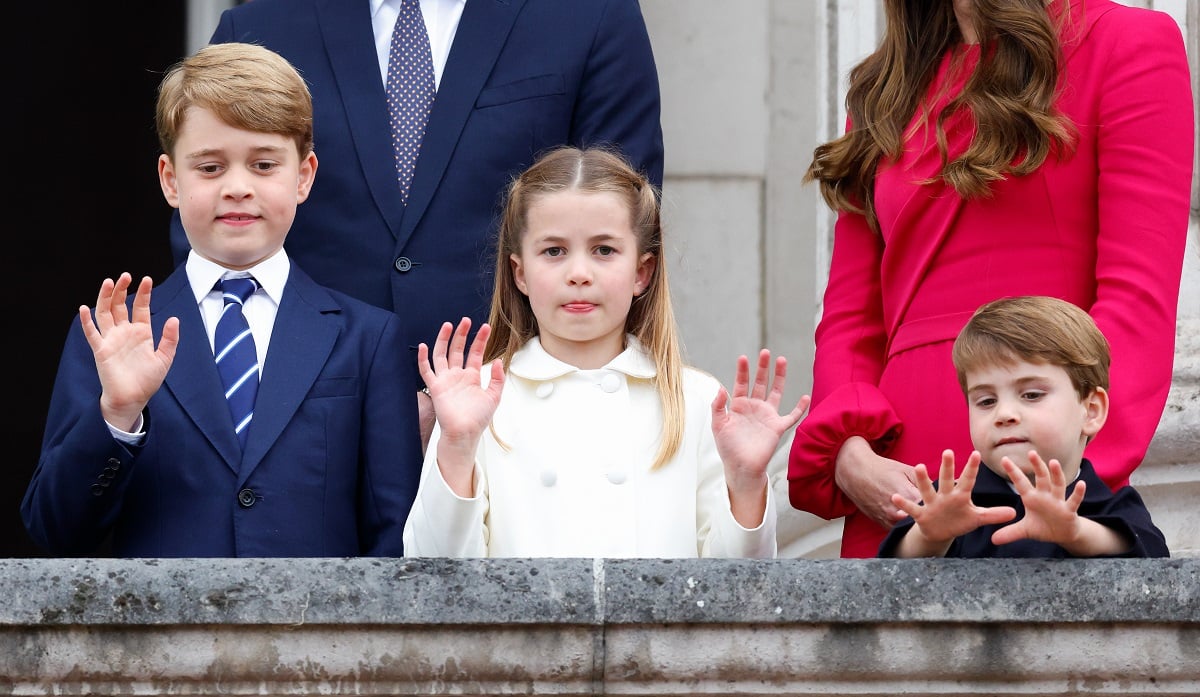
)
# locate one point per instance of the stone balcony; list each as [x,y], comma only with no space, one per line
[600,626]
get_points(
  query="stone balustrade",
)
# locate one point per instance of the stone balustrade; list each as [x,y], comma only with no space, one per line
[600,626]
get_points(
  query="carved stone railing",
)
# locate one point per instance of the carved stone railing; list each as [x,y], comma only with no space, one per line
[604,626]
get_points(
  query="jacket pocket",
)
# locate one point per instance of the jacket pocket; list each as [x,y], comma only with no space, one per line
[528,88]
[333,387]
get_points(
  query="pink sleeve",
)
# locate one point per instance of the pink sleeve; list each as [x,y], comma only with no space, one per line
[853,409]
[1145,148]
[850,353]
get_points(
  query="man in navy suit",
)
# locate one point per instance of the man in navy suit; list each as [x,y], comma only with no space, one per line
[141,447]
[514,78]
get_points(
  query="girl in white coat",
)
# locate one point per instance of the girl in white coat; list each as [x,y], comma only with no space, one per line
[570,427]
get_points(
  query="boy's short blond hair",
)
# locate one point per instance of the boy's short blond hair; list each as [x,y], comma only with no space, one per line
[1037,329]
[246,86]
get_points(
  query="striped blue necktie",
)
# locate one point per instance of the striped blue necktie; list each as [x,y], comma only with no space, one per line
[237,359]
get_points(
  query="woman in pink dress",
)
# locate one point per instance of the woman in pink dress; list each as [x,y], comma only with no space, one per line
[1023,147]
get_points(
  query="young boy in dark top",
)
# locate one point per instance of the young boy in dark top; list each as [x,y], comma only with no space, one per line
[1035,373]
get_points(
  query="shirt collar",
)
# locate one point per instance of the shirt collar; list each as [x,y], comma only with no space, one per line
[377,4]
[271,274]
[533,363]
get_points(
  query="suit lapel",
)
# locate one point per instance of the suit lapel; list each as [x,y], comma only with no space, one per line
[307,326]
[482,32]
[193,378]
[350,45]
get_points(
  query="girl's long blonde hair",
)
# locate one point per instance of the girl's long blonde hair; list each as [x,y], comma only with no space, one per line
[651,317]
[1010,95]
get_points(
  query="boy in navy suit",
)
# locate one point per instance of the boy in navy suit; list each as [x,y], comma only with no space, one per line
[141,447]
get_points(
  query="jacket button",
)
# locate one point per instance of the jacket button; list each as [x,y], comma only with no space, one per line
[403,264]
[246,498]
[610,383]
[97,490]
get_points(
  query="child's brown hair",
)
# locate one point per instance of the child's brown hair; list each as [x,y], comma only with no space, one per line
[1038,329]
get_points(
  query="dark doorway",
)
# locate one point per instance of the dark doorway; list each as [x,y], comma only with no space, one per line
[84,196]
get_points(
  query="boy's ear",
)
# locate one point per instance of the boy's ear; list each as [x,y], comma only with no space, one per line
[308,172]
[168,181]
[1096,405]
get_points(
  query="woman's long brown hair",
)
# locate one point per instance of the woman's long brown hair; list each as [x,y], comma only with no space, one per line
[1010,95]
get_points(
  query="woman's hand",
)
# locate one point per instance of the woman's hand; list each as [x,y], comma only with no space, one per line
[870,479]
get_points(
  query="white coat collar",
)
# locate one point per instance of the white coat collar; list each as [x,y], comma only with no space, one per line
[533,363]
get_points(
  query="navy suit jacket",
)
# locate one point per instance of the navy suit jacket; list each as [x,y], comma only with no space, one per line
[330,468]
[522,76]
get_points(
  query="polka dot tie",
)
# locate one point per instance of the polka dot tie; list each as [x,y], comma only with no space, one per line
[410,89]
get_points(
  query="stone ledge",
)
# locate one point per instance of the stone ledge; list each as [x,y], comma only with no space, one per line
[611,626]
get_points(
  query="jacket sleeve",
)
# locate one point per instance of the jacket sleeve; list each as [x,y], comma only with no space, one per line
[1144,150]
[78,488]
[1126,513]
[850,352]
[390,450]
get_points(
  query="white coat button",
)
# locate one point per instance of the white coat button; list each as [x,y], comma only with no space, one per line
[610,382]
[616,477]
[549,478]
[544,389]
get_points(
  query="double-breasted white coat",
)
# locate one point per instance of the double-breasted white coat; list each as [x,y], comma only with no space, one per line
[575,478]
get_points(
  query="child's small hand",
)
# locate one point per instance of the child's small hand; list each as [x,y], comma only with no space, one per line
[947,512]
[747,427]
[130,368]
[1050,516]
[463,406]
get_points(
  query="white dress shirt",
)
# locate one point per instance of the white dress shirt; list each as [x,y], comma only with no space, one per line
[576,478]
[441,21]
[259,309]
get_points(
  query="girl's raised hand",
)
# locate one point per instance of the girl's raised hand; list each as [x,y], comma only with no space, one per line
[747,425]
[462,405]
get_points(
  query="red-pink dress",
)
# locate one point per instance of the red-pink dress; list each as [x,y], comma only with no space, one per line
[1104,228]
